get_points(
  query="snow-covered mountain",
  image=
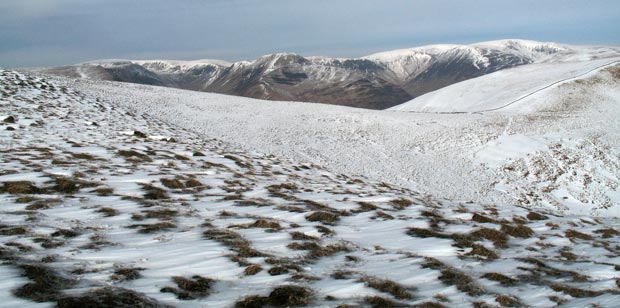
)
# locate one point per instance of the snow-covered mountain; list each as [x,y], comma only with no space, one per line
[377,81]
[514,89]
[124,195]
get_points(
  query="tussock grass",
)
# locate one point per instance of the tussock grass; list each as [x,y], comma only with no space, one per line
[20,188]
[324,217]
[107,211]
[401,204]
[521,231]
[45,284]
[380,302]
[387,286]
[104,191]
[502,279]
[125,274]
[300,236]
[234,241]
[134,156]
[8,231]
[282,296]
[154,193]
[109,297]
[536,216]
[508,301]
[498,238]
[607,232]
[252,270]
[154,227]
[172,183]
[573,234]
[481,251]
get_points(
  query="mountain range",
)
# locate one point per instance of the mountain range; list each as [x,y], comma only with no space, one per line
[377,81]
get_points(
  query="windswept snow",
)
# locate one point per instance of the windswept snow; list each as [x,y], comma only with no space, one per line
[103,203]
[439,154]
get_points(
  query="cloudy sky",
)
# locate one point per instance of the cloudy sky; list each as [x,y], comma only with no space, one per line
[54,32]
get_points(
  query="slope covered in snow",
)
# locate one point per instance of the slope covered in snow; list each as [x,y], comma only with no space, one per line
[105,205]
[510,89]
[566,152]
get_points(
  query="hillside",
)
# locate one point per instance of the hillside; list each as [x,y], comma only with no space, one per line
[562,154]
[107,206]
[378,81]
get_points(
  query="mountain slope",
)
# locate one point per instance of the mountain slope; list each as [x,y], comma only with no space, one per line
[566,142]
[377,81]
[507,88]
[107,206]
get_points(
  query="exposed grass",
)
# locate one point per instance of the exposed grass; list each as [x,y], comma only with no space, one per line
[154,193]
[303,246]
[283,296]
[45,285]
[536,216]
[324,217]
[109,297]
[104,191]
[343,274]
[154,227]
[84,156]
[20,187]
[125,274]
[8,231]
[260,223]
[502,279]
[65,233]
[573,234]
[107,211]
[430,305]
[481,251]
[498,238]
[300,236]
[234,241]
[325,230]
[380,302]
[162,214]
[252,270]
[573,291]
[483,219]
[65,185]
[172,183]
[383,285]
[508,301]
[460,280]
[278,270]
[198,285]
[38,205]
[401,204]
[366,207]
[521,231]
[134,155]
[607,232]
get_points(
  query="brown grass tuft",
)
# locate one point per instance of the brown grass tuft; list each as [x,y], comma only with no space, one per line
[573,234]
[324,217]
[521,231]
[395,289]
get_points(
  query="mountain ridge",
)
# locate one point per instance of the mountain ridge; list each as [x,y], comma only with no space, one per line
[377,81]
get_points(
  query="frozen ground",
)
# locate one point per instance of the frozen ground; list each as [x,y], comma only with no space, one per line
[556,149]
[104,206]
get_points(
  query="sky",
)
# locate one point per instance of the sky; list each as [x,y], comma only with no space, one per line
[56,32]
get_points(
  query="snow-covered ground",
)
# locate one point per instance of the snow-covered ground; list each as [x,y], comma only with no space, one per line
[508,90]
[556,149]
[115,195]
